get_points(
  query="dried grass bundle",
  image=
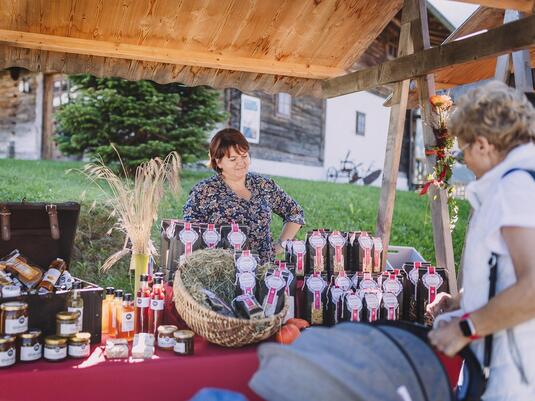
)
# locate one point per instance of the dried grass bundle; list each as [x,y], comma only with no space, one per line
[136,203]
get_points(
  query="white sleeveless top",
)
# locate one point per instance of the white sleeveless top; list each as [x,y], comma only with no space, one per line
[501,202]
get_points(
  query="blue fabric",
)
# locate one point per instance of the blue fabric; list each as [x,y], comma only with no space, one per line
[215,394]
[212,201]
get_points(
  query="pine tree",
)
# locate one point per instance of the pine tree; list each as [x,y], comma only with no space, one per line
[141,118]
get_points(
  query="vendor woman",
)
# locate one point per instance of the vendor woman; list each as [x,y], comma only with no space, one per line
[235,195]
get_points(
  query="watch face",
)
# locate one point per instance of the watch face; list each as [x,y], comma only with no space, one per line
[465,328]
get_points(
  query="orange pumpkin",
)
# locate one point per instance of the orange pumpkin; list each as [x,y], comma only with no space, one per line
[287,334]
[300,323]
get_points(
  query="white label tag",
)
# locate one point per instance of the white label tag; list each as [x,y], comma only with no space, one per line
[343,282]
[16,326]
[31,353]
[52,275]
[393,286]
[67,329]
[142,302]
[166,342]
[180,348]
[246,263]
[298,247]
[55,353]
[211,238]
[246,280]
[79,350]
[80,320]
[413,276]
[7,358]
[157,304]
[127,322]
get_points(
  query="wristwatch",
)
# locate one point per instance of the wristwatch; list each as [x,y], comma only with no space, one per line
[467,327]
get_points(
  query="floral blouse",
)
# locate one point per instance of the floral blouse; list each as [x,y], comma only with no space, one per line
[212,201]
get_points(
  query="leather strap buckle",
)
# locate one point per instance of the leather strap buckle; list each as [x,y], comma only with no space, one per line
[54,223]
[5,225]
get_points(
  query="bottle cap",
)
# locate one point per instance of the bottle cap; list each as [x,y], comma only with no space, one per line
[110,290]
[119,293]
[158,280]
[127,297]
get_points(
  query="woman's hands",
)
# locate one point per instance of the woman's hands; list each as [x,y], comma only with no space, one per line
[443,303]
[279,250]
[448,337]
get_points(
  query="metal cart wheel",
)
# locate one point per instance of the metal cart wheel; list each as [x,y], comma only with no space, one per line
[332,174]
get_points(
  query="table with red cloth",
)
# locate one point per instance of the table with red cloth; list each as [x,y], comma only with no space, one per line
[165,377]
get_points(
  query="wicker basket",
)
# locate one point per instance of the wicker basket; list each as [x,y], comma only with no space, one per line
[219,329]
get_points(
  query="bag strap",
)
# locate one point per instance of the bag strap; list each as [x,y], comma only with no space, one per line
[493,278]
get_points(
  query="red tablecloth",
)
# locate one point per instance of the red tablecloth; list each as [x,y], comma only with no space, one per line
[165,377]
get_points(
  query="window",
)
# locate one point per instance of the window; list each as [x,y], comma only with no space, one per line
[284,104]
[361,123]
[61,91]
[391,50]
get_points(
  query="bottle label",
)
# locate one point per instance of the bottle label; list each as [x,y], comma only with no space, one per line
[180,348]
[67,329]
[80,320]
[142,302]
[54,353]
[127,322]
[31,353]
[166,342]
[79,350]
[16,326]
[7,358]
[52,275]
[157,304]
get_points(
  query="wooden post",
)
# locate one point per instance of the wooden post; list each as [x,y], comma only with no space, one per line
[47,143]
[521,59]
[438,197]
[394,142]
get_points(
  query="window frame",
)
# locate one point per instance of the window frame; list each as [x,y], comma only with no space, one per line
[287,105]
[360,116]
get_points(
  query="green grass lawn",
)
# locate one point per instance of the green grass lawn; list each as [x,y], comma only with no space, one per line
[335,206]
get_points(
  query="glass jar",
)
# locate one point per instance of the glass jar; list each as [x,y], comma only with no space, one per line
[79,345]
[11,291]
[8,352]
[13,318]
[166,340]
[67,323]
[31,348]
[183,342]
[55,348]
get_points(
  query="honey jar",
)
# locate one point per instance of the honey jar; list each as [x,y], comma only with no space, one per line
[166,340]
[31,348]
[55,348]
[183,342]
[67,323]
[8,352]
[79,345]
[13,318]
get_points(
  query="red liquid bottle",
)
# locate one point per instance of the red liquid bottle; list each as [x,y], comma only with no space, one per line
[143,305]
[157,299]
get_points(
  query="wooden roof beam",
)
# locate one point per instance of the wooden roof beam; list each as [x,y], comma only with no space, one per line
[527,6]
[503,39]
[165,55]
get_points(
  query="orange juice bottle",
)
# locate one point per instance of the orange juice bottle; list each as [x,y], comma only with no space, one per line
[125,321]
[107,304]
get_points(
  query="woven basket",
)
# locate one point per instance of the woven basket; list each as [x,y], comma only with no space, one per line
[219,329]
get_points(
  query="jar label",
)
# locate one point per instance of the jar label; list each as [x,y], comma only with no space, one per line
[157,304]
[31,353]
[80,320]
[166,342]
[66,329]
[16,326]
[8,357]
[142,302]
[127,322]
[79,350]
[180,347]
[55,352]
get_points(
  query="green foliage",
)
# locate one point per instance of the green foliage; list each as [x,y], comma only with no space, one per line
[143,119]
[340,206]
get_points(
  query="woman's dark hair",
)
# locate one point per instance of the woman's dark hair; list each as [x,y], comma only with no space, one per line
[222,142]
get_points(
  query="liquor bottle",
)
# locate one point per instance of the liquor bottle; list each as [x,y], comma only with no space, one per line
[75,303]
[115,310]
[107,304]
[125,321]
[142,305]
[157,298]
[51,277]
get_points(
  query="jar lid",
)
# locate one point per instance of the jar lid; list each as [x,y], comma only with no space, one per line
[31,334]
[183,334]
[10,291]
[6,339]
[167,329]
[80,338]
[13,306]
[68,315]
[55,340]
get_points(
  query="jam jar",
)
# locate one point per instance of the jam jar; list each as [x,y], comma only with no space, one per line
[79,345]
[165,336]
[55,348]
[31,348]
[13,318]
[67,323]
[183,342]
[8,352]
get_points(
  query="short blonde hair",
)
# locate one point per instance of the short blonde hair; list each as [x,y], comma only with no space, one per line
[497,112]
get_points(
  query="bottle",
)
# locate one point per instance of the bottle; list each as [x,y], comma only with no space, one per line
[51,277]
[75,303]
[115,310]
[142,305]
[125,321]
[157,298]
[107,304]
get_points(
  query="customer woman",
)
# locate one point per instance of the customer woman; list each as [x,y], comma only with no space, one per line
[234,194]
[495,128]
